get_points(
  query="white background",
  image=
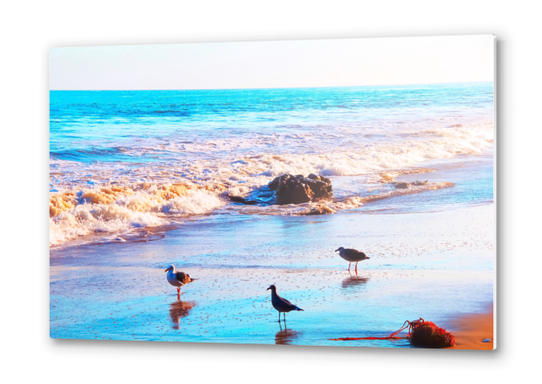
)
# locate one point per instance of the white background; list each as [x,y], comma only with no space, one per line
[29,30]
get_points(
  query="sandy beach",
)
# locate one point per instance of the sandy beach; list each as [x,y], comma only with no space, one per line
[438,266]
[475,331]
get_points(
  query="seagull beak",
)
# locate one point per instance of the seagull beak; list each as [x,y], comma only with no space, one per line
[268,289]
[336,250]
[166,270]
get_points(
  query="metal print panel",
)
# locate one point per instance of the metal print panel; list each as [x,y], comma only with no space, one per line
[326,192]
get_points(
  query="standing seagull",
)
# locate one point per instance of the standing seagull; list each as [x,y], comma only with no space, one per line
[280,304]
[177,279]
[352,255]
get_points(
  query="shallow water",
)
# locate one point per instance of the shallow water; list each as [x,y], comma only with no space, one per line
[430,265]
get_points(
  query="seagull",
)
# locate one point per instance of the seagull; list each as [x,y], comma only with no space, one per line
[177,279]
[280,304]
[352,255]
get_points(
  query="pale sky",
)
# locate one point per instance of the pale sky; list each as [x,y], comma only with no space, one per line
[275,64]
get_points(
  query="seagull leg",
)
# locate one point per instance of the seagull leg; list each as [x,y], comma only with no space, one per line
[279,317]
[349,263]
[356,267]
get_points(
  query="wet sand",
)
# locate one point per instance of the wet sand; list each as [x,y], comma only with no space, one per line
[474,331]
[438,266]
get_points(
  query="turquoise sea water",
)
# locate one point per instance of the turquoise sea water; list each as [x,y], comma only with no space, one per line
[90,126]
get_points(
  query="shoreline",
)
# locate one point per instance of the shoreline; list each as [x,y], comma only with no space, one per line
[467,176]
[422,265]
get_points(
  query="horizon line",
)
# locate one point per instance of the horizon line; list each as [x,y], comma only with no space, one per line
[262,88]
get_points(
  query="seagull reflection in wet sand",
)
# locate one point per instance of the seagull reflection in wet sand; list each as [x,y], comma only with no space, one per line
[178,310]
[286,336]
[353,281]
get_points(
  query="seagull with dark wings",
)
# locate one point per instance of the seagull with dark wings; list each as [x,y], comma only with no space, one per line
[352,256]
[281,304]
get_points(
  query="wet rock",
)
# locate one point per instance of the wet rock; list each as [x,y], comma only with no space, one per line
[401,184]
[273,185]
[242,200]
[291,190]
[405,185]
[418,183]
[320,211]
[298,189]
[320,188]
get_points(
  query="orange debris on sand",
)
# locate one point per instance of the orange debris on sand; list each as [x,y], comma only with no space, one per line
[421,334]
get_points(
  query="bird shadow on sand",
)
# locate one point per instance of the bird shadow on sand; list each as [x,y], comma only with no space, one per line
[354,281]
[285,336]
[178,310]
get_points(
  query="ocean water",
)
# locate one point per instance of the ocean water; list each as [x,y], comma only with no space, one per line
[127,164]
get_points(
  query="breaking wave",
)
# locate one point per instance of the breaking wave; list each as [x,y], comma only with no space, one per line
[115,198]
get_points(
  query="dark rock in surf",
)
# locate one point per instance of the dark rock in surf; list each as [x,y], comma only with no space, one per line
[405,185]
[291,190]
[242,200]
[320,188]
[418,183]
[298,189]
[320,211]
[401,184]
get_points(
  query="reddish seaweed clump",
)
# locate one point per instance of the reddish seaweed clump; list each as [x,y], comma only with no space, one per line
[428,335]
[421,333]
